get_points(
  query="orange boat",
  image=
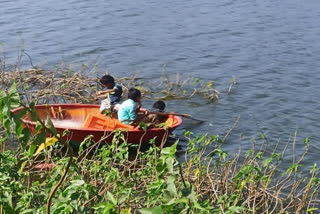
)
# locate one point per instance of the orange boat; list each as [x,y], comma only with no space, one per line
[84,119]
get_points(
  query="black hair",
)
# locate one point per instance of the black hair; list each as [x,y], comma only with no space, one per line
[134,93]
[106,79]
[159,105]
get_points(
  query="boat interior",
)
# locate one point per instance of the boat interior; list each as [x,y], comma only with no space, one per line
[86,117]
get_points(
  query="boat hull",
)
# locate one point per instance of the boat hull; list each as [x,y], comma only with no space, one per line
[73,117]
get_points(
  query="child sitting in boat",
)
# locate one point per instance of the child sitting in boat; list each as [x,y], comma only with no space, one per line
[157,107]
[112,95]
[129,110]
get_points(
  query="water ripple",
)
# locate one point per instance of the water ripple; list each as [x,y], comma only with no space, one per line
[270,47]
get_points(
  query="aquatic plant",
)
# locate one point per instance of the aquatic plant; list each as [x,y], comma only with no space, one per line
[119,178]
[63,85]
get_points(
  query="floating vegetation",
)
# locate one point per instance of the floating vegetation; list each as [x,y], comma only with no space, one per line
[62,85]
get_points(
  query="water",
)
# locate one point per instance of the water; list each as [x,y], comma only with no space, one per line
[270,47]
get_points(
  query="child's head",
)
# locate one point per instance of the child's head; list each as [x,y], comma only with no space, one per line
[107,81]
[134,94]
[159,105]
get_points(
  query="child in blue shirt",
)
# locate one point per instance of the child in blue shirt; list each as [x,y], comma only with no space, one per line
[112,95]
[128,110]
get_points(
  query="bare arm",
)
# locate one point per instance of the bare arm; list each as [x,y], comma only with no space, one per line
[139,111]
[101,94]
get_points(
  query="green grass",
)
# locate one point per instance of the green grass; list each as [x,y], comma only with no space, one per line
[118,178]
[106,179]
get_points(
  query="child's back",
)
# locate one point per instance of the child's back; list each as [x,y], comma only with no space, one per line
[127,112]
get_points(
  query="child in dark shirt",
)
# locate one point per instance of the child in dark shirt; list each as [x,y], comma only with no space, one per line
[112,95]
[155,119]
[158,106]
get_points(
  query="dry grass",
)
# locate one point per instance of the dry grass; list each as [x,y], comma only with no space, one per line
[63,85]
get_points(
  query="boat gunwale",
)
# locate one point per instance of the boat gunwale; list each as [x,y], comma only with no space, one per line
[74,105]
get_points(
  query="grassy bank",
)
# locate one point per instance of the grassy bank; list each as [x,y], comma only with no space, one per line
[118,178]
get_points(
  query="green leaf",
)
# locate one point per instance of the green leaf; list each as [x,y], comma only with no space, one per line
[17,116]
[28,211]
[293,168]
[7,125]
[75,185]
[22,166]
[34,115]
[32,148]
[210,84]
[2,139]
[13,88]
[2,94]
[111,198]
[40,138]
[104,207]
[32,105]
[14,96]
[154,210]
[310,210]
[8,199]
[67,132]
[51,127]
[169,163]
[19,129]
[259,155]
[125,196]
[143,126]
[187,134]
[6,109]
[196,80]
[170,150]
[306,141]
[314,168]
[171,187]
[236,209]
[24,137]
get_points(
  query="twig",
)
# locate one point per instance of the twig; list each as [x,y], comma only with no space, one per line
[234,125]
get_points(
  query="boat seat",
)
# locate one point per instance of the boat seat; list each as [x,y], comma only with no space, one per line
[96,121]
[103,122]
[57,113]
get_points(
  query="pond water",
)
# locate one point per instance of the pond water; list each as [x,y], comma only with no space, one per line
[270,47]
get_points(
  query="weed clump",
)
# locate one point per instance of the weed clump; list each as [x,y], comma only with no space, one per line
[63,85]
[107,179]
